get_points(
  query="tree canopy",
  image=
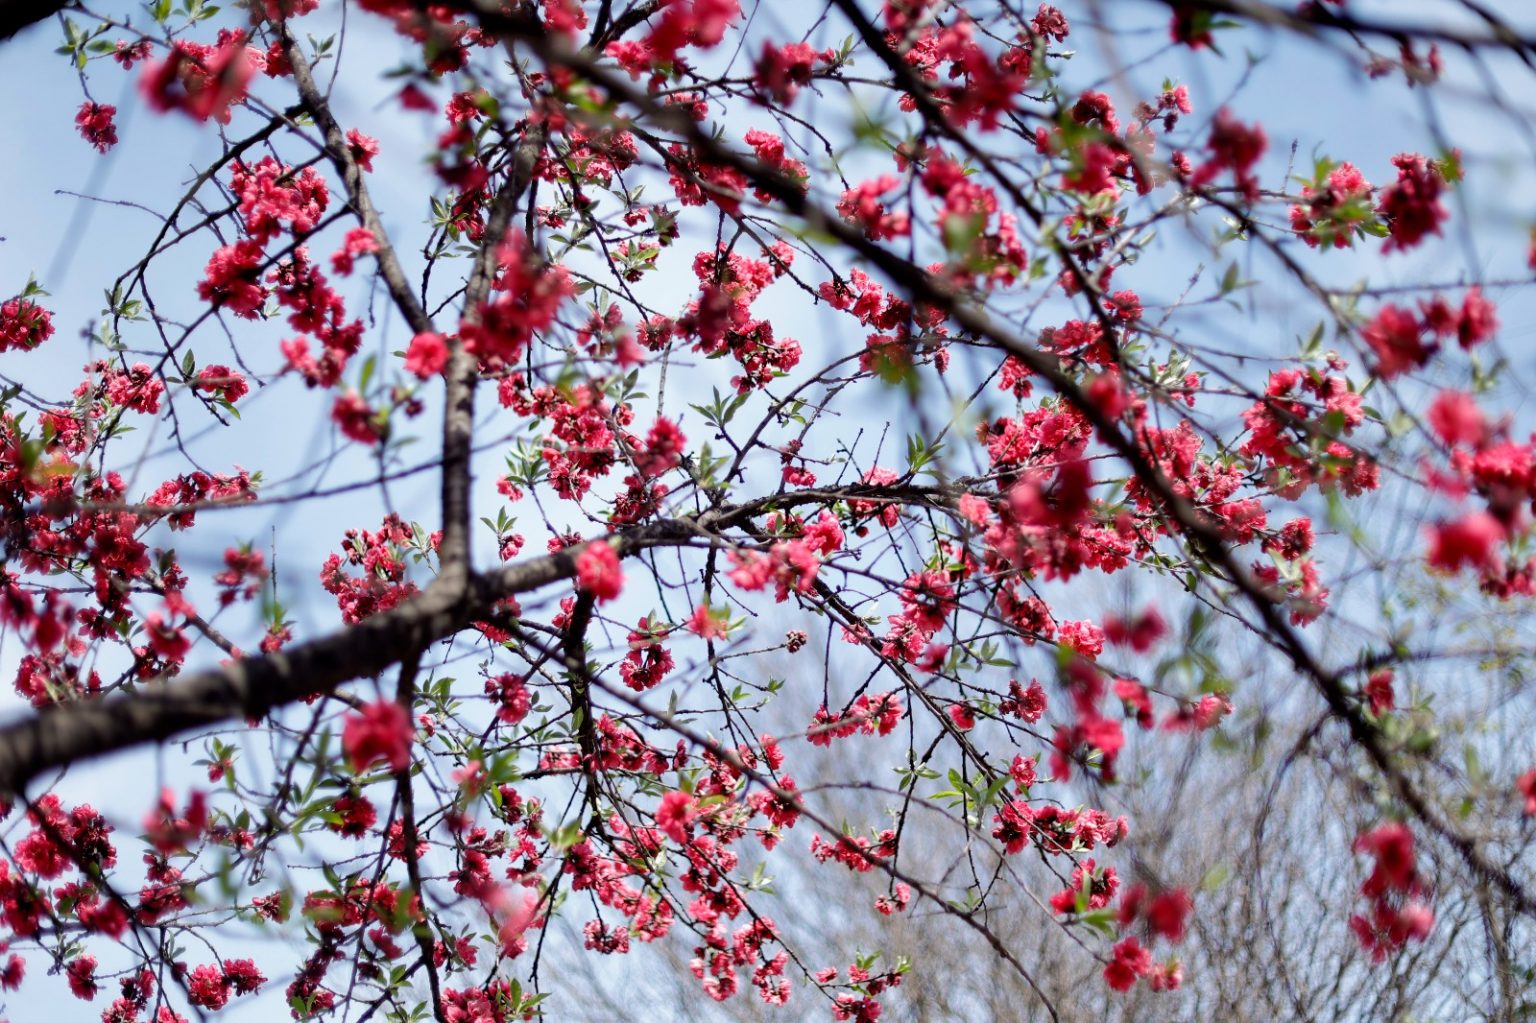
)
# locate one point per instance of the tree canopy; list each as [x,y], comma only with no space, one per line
[812,499]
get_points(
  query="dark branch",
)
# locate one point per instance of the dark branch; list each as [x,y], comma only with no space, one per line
[250,687]
[16,15]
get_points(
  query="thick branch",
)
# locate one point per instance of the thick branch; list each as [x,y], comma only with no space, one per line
[248,687]
[16,15]
[1311,19]
[252,686]
[463,371]
[357,190]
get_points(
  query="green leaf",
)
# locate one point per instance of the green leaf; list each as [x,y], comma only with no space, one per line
[1475,772]
[566,836]
[1101,920]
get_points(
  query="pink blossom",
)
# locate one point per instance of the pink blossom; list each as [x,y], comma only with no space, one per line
[359,241]
[1128,962]
[202,81]
[707,623]
[1456,419]
[363,149]
[1526,784]
[1467,541]
[598,571]
[95,123]
[381,731]
[1397,338]
[1411,205]
[1233,146]
[427,355]
[674,813]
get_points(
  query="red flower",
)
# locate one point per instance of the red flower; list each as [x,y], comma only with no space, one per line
[127,54]
[707,623]
[1397,338]
[565,16]
[223,382]
[1411,206]
[673,815]
[528,296]
[242,975]
[82,977]
[357,815]
[103,918]
[363,149]
[170,833]
[1335,210]
[1456,419]
[1526,783]
[513,697]
[598,572]
[781,70]
[663,448]
[699,23]
[1191,26]
[233,279]
[516,916]
[166,640]
[359,241]
[1022,772]
[211,985]
[355,419]
[207,988]
[1477,322]
[203,81]
[24,324]
[427,355]
[95,123]
[1393,890]
[382,731]
[1140,633]
[412,98]
[1129,961]
[15,969]
[1167,913]
[1378,691]
[1166,977]
[1468,541]
[1233,146]
[1396,871]
[1091,889]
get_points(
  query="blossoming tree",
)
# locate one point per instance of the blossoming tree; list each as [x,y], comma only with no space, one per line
[817,404]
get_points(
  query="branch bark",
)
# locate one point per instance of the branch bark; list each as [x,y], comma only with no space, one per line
[252,686]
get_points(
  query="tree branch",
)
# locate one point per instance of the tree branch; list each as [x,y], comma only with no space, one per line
[16,15]
[252,686]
